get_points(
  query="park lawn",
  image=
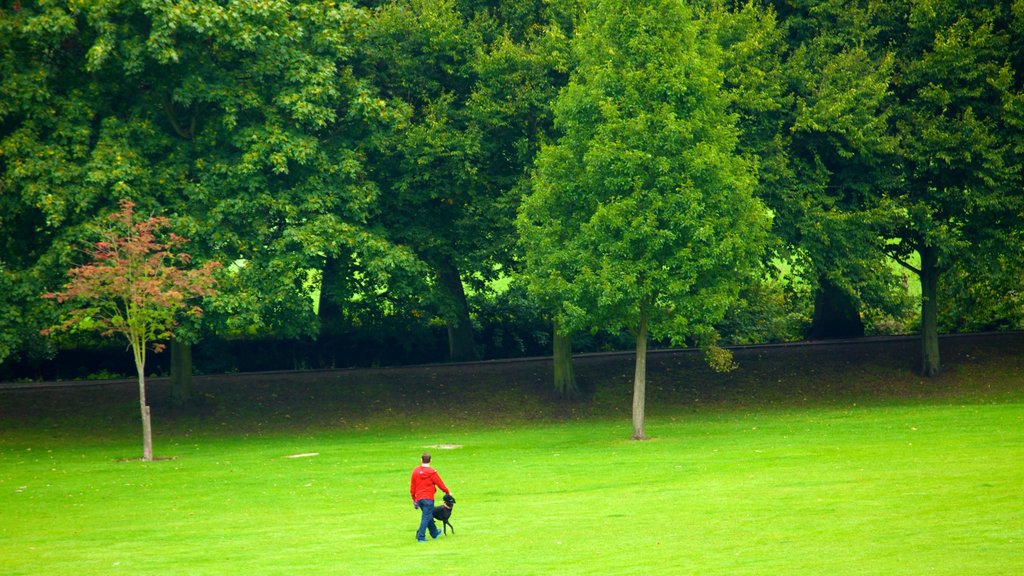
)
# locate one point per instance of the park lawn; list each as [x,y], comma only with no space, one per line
[902,488]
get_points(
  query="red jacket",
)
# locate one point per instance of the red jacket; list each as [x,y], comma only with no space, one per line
[424,479]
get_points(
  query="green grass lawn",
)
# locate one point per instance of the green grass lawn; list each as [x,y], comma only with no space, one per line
[902,488]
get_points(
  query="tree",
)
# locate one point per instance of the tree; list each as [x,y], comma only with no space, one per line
[473,81]
[809,82]
[135,283]
[895,130]
[958,112]
[641,215]
[520,73]
[238,121]
[564,371]
[419,55]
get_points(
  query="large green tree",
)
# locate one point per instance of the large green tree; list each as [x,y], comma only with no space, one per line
[881,128]
[642,215]
[420,55]
[810,87]
[241,121]
[957,111]
[472,82]
[527,61]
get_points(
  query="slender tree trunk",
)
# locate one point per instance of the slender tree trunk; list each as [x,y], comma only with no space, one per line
[565,376]
[640,380]
[147,426]
[461,346]
[181,372]
[930,365]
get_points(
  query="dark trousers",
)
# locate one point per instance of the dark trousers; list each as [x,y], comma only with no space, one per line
[427,520]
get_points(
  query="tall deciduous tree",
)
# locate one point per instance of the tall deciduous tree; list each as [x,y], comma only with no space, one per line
[526,62]
[897,131]
[473,80]
[642,215]
[136,282]
[809,84]
[240,121]
[958,113]
[419,54]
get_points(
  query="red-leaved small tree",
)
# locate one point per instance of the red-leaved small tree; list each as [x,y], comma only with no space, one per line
[135,283]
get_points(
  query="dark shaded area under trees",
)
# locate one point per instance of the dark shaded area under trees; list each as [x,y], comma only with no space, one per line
[981,368]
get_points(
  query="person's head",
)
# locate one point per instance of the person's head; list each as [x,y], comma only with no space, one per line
[425,458]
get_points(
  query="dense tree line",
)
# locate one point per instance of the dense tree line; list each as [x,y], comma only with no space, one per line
[698,172]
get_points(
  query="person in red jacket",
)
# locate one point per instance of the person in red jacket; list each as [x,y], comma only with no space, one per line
[424,484]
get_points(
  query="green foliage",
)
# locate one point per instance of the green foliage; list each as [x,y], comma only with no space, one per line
[379,152]
[511,324]
[984,293]
[956,112]
[641,208]
[471,84]
[955,116]
[813,106]
[239,121]
[13,301]
[720,359]
[419,53]
[772,310]
[135,283]
[106,375]
[880,127]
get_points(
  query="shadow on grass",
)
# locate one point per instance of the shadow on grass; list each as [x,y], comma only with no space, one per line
[977,368]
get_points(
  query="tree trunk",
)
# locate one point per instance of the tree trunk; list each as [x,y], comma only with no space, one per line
[329,310]
[181,372]
[836,314]
[930,365]
[640,380]
[461,347]
[565,377]
[147,426]
[333,291]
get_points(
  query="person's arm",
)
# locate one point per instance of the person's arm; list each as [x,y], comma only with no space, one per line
[440,484]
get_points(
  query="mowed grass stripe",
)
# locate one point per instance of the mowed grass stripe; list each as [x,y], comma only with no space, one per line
[922,489]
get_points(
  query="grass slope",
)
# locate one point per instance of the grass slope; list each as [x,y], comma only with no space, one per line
[840,466]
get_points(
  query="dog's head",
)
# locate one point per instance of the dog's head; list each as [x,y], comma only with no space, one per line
[449,500]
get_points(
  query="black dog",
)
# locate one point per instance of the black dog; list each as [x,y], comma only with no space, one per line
[443,513]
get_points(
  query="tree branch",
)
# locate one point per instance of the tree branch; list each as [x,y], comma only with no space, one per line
[905,264]
[169,112]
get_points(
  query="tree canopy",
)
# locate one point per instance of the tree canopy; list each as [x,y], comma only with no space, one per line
[136,283]
[386,166]
[642,215]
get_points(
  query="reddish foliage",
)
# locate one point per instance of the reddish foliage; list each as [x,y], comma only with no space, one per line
[136,281]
